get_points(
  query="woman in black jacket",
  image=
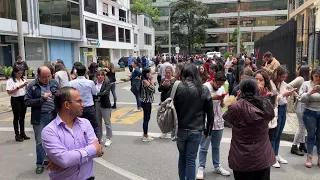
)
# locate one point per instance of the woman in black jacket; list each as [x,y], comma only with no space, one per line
[103,106]
[193,103]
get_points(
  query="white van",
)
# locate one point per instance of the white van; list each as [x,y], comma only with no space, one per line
[212,54]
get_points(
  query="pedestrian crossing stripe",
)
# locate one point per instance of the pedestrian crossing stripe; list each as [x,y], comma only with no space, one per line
[123,115]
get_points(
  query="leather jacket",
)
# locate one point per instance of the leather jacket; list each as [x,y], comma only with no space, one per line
[192,109]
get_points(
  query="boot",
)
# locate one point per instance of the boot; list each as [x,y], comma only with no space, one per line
[303,147]
[114,106]
[19,138]
[24,136]
[296,151]
[309,161]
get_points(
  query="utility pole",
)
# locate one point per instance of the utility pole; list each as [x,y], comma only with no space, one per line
[20,29]
[239,33]
[169,31]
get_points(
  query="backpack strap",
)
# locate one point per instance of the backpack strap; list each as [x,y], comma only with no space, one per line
[174,89]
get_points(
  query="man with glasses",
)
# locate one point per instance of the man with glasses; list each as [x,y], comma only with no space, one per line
[87,89]
[39,96]
[69,160]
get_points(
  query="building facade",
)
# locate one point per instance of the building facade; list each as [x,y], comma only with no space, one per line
[71,30]
[307,15]
[257,18]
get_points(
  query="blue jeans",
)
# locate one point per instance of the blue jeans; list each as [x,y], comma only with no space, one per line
[135,88]
[45,119]
[188,143]
[215,140]
[311,120]
[230,82]
[113,91]
[282,117]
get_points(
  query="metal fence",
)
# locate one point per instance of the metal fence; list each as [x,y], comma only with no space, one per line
[282,42]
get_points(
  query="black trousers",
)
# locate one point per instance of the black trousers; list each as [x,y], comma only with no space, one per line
[254,175]
[19,113]
[90,114]
[147,108]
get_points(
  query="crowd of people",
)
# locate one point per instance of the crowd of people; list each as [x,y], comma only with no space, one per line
[67,111]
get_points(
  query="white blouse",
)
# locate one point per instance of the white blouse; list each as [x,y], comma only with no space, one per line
[13,85]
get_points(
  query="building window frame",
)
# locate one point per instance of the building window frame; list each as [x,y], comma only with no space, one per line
[92,35]
[90,6]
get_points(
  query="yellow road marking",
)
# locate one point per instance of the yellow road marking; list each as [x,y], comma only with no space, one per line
[121,116]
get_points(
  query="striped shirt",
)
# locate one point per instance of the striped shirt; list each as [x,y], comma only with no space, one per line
[147,93]
[48,105]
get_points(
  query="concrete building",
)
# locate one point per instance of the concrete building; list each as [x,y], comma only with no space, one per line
[73,30]
[257,18]
[307,15]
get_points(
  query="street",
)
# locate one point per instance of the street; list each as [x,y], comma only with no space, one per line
[128,157]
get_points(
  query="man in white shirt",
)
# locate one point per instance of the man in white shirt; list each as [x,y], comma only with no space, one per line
[164,66]
[87,89]
[217,91]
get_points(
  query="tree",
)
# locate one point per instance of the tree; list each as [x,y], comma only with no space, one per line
[189,21]
[234,41]
[144,7]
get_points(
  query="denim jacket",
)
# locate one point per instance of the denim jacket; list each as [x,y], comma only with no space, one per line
[34,99]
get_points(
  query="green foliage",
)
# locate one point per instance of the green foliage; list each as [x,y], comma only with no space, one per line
[234,40]
[144,7]
[189,19]
[226,55]
[30,71]
[7,71]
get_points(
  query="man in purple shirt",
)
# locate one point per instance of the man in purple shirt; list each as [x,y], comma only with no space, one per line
[69,141]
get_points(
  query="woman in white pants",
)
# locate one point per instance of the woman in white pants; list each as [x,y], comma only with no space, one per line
[103,106]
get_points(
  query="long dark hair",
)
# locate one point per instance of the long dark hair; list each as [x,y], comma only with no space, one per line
[204,76]
[75,65]
[61,62]
[144,76]
[61,67]
[249,92]
[304,71]
[251,65]
[191,73]
[266,79]
[276,75]
[14,71]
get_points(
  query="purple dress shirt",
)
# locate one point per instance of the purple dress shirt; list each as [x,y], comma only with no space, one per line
[71,149]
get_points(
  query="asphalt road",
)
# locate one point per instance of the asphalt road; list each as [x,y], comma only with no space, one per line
[129,157]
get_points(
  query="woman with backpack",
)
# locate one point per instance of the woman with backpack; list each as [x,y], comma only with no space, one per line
[135,84]
[192,102]
[147,90]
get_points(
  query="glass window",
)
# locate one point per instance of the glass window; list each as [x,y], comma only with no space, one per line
[91,29]
[251,21]
[122,15]
[147,39]
[134,18]
[301,2]
[161,25]
[121,34]
[113,10]
[128,36]
[163,11]
[135,38]
[90,6]
[108,32]
[61,13]
[8,9]
[75,16]
[66,14]
[34,51]
[105,9]
[248,6]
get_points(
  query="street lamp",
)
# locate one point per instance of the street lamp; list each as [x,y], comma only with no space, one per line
[238,38]
[171,1]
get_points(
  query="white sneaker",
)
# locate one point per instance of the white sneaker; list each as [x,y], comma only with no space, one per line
[200,173]
[276,165]
[137,110]
[221,171]
[281,160]
[147,139]
[108,143]
[163,135]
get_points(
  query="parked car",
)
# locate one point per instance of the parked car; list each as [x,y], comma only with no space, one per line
[212,54]
[124,60]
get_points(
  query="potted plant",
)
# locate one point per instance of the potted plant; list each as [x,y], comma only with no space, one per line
[7,71]
[30,72]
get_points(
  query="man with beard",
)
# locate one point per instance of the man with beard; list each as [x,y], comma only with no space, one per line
[69,141]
